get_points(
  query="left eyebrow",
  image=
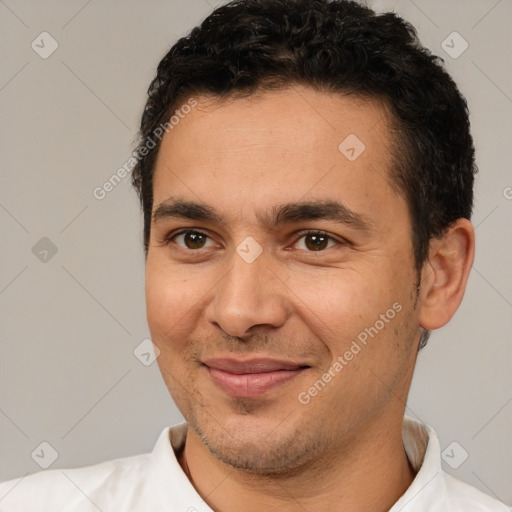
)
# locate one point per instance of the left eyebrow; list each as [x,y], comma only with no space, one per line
[287,213]
[316,210]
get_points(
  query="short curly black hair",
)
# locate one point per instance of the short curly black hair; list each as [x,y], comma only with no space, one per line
[336,46]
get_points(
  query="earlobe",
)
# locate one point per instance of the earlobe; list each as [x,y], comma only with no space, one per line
[445,274]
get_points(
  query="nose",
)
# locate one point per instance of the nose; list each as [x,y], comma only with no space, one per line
[249,295]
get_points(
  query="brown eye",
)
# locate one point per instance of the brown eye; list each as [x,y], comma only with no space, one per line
[315,241]
[191,239]
[194,240]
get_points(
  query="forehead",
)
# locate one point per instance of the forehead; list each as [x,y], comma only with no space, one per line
[272,146]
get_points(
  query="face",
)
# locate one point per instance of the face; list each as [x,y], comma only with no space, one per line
[280,279]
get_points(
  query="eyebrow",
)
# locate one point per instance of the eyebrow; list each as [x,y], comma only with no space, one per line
[287,213]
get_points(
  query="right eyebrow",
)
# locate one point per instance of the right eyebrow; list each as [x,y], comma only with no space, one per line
[178,209]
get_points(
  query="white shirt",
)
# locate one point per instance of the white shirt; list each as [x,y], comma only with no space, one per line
[155,482]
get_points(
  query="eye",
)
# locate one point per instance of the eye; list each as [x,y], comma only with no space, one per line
[316,241]
[190,239]
[311,241]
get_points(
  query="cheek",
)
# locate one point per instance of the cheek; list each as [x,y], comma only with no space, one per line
[171,302]
[172,314]
[338,305]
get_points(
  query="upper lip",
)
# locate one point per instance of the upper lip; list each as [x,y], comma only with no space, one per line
[255,365]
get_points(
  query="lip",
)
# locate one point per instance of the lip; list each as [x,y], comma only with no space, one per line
[251,377]
[253,365]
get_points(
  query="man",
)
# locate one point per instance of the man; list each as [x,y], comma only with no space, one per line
[306,177]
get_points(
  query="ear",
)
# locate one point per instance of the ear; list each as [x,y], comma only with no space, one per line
[445,274]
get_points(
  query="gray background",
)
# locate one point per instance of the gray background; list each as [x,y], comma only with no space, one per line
[70,324]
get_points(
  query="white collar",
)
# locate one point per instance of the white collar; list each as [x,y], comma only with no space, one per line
[431,490]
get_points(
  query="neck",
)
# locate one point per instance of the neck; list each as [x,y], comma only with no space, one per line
[370,471]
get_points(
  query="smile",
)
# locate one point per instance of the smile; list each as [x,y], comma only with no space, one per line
[251,378]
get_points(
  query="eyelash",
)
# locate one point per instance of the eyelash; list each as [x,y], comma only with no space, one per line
[301,234]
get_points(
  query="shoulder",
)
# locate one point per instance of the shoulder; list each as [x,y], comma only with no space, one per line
[82,489]
[462,496]
[433,489]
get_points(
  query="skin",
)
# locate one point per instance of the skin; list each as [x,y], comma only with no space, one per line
[242,157]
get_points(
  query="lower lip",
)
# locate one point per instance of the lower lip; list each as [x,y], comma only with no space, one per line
[251,384]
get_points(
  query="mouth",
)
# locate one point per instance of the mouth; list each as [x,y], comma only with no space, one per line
[251,377]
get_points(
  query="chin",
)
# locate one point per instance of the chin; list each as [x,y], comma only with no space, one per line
[266,446]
